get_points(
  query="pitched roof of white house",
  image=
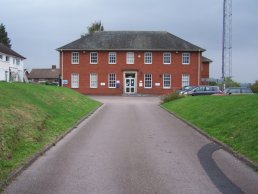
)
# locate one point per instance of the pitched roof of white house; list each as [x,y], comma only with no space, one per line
[6,50]
[131,40]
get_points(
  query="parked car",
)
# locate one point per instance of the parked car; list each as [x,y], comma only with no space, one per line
[238,90]
[185,89]
[204,90]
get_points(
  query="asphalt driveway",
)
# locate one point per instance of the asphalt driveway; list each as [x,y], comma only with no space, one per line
[131,145]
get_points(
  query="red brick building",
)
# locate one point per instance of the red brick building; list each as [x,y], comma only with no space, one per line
[131,62]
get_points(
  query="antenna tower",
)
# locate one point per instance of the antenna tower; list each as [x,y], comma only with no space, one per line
[227,40]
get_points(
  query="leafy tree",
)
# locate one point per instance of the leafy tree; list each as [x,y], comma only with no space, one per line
[229,82]
[254,87]
[95,27]
[4,36]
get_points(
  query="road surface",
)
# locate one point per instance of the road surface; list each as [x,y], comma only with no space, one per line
[131,145]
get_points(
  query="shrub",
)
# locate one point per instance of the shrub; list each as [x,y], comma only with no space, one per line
[171,97]
[254,87]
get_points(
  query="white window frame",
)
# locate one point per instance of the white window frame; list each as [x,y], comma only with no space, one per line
[111,80]
[148,58]
[185,80]
[93,80]
[93,57]
[186,58]
[75,57]
[148,80]
[166,56]
[112,58]
[130,58]
[166,80]
[75,80]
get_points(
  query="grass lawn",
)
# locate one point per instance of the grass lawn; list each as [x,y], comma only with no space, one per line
[230,119]
[33,116]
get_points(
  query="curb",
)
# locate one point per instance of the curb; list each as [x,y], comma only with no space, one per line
[252,164]
[27,163]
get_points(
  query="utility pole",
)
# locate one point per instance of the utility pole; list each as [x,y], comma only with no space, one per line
[227,40]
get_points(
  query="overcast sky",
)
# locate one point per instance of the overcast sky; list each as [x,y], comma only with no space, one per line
[37,27]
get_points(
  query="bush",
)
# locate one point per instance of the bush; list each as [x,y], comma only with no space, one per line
[254,87]
[171,97]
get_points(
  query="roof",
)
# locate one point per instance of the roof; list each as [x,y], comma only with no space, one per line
[131,40]
[205,59]
[6,50]
[44,73]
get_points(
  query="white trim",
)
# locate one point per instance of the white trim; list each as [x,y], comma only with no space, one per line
[166,87]
[183,80]
[145,81]
[92,81]
[146,57]
[184,57]
[109,57]
[75,80]
[91,58]
[130,58]
[75,57]
[167,56]
[112,80]
[199,64]
[135,81]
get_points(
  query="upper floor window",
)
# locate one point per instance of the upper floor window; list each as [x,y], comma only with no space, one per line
[186,58]
[1,57]
[93,58]
[93,80]
[112,58]
[166,81]
[75,80]
[75,58]
[185,80]
[148,57]
[18,61]
[7,58]
[147,80]
[167,58]
[112,80]
[129,58]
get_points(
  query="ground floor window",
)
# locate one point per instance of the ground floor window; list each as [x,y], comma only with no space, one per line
[75,80]
[112,80]
[93,80]
[147,80]
[6,76]
[185,80]
[166,80]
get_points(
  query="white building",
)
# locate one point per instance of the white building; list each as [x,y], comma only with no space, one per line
[11,65]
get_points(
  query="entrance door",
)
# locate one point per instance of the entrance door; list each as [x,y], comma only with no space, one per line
[130,83]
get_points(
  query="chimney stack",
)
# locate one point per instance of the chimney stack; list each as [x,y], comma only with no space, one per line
[53,66]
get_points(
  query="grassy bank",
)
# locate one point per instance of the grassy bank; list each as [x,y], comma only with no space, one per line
[230,119]
[32,116]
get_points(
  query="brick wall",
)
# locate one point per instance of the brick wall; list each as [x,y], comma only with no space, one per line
[157,69]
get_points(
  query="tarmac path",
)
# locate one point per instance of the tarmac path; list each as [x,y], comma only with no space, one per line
[132,146]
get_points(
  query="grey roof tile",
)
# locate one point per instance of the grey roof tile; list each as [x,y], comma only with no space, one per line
[131,40]
[6,50]
[44,74]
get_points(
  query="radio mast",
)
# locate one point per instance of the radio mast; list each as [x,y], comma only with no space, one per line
[227,40]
